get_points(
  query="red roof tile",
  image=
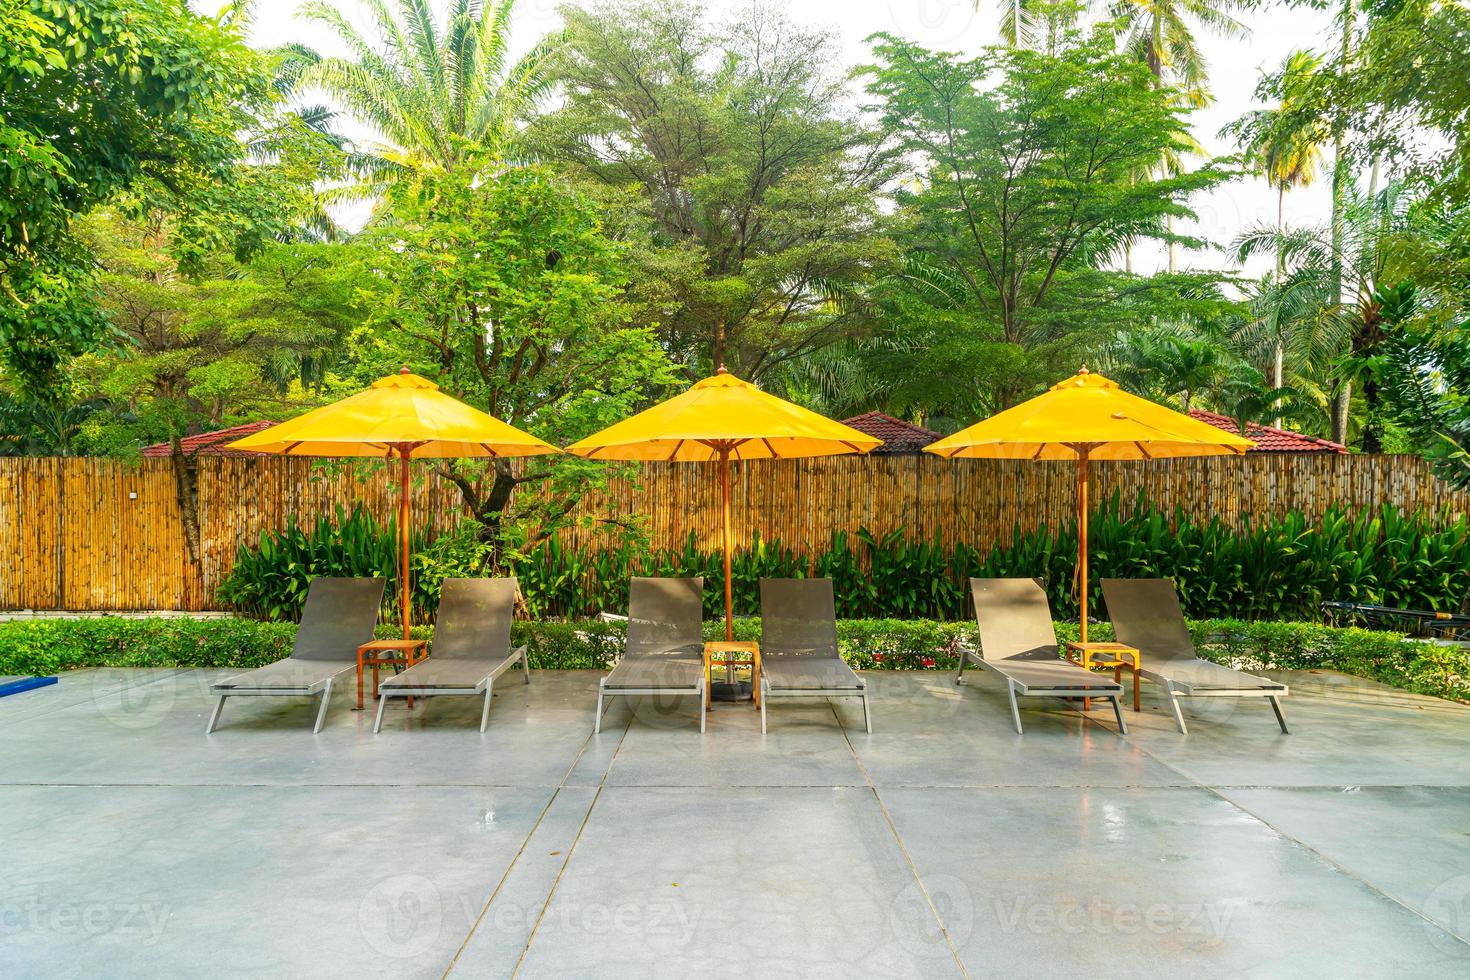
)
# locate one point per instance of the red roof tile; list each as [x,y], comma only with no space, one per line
[211,443]
[898,436]
[1268,438]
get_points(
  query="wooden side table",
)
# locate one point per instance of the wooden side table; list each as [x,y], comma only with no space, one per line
[388,653]
[733,653]
[1115,656]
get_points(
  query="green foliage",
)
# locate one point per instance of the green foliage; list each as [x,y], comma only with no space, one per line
[438,91]
[271,580]
[1280,568]
[215,344]
[1036,171]
[41,647]
[750,189]
[96,95]
[499,283]
[49,646]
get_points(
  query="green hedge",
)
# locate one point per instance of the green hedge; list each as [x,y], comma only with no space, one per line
[48,646]
[1276,568]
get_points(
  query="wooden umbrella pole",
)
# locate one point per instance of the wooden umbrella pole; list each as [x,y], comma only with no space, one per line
[725,499]
[403,534]
[1082,537]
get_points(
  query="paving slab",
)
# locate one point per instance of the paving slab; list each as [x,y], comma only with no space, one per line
[199,881]
[1071,882]
[943,844]
[1417,851]
[738,881]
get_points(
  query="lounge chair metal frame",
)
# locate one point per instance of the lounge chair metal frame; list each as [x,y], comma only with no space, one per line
[1112,691]
[322,588]
[1015,688]
[397,688]
[322,687]
[1155,666]
[819,593]
[603,692]
[644,592]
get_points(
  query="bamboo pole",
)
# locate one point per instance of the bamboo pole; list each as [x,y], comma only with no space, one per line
[725,501]
[403,492]
[1082,535]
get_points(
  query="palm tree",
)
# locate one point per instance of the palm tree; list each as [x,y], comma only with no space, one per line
[1160,33]
[435,93]
[1355,248]
[1287,143]
[1038,25]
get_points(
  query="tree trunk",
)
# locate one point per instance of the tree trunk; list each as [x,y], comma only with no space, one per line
[1278,362]
[1173,248]
[186,490]
[487,506]
[1372,435]
[1340,403]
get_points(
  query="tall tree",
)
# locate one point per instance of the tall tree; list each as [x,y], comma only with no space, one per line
[1359,245]
[758,192]
[436,92]
[1160,33]
[1029,186]
[1286,143]
[500,284]
[205,340]
[95,95]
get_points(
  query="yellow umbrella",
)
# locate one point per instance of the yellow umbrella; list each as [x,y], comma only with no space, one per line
[720,419]
[402,416]
[1084,418]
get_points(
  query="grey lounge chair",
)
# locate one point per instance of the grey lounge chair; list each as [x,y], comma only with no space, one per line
[338,617]
[1145,613]
[799,655]
[665,648]
[1019,642]
[471,646]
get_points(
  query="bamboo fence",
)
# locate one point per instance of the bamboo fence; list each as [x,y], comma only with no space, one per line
[94,535]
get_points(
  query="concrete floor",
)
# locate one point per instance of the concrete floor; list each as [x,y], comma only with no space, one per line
[943,845]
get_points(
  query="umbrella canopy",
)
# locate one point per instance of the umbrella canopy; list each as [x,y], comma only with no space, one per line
[402,416]
[1089,413]
[1084,418]
[719,419]
[401,411]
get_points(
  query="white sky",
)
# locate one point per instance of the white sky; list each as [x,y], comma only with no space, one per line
[1235,67]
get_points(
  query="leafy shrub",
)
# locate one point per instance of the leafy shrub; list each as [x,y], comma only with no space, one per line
[52,645]
[1274,568]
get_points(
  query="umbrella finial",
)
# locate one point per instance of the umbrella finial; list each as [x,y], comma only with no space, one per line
[721,369]
[404,370]
[1083,369]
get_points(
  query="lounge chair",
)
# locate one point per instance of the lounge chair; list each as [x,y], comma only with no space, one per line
[1019,642]
[338,617]
[471,646]
[665,648]
[1145,613]
[799,655]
